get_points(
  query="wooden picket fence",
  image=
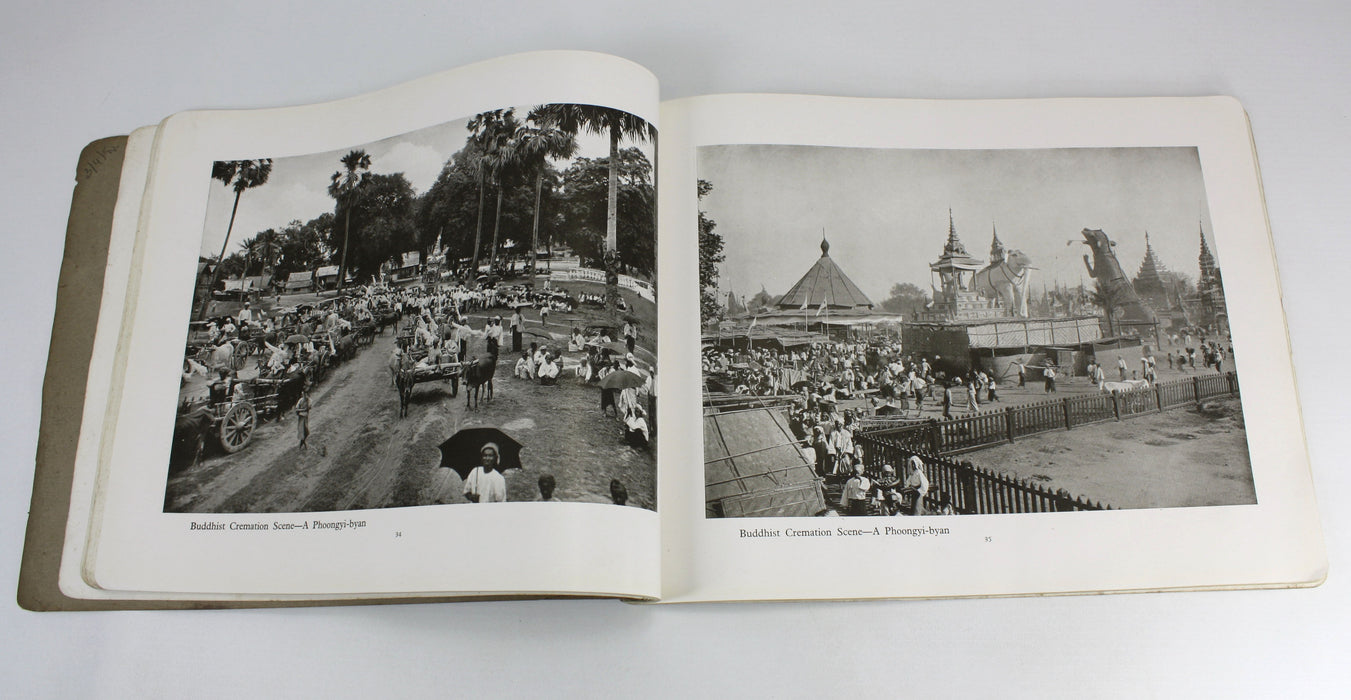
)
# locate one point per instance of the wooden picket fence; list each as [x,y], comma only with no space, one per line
[971,490]
[999,426]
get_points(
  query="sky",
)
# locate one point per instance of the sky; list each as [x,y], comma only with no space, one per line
[298,185]
[885,211]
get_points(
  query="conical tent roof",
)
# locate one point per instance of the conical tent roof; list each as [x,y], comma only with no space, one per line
[825,282]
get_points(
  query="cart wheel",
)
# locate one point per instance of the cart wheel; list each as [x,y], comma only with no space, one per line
[236,428]
[454,387]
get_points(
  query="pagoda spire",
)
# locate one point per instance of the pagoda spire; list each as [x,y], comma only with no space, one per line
[1206,259]
[825,245]
[954,245]
[996,246]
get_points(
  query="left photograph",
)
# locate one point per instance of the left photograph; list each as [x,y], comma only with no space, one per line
[462,314]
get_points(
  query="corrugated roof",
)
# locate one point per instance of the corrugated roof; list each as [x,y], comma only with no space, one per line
[753,466]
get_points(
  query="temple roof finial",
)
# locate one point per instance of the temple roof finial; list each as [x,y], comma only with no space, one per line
[825,245]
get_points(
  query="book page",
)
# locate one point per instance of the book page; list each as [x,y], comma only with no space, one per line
[366,341]
[976,348]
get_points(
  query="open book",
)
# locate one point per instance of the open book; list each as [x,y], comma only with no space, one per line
[468,337]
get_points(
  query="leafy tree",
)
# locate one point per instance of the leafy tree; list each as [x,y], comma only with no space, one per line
[761,301]
[618,125]
[534,147]
[584,183]
[250,246]
[345,187]
[239,175]
[710,254]
[448,208]
[382,216]
[303,245]
[906,299]
[492,133]
[269,248]
[1109,297]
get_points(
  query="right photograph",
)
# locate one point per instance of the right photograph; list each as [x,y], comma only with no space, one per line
[910,332]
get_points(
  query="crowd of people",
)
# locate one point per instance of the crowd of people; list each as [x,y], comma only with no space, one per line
[441,332]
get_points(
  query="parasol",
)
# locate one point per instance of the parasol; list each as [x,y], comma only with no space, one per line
[297,338]
[801,384]
[621,379]
[461,450]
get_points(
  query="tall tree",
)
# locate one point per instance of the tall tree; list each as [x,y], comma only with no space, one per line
[1109,297]
[383,222]
[710,254]
[303,244]
[617,125]
[345,187]
[239,175]
[491,132]
[583,196]
[535,146]
[269,248]
[250,246]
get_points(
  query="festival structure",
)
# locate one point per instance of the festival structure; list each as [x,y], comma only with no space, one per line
[824,302]
[979,317]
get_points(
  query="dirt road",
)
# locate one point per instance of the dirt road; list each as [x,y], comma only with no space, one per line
[362,455]
[1192,456]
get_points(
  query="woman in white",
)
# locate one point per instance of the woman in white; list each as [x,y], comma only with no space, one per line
[917,484]
[486,483]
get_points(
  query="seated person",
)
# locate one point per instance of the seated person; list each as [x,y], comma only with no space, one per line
[548,371]
[635,428]
[525,368]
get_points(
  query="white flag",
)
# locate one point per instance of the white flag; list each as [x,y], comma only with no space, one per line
[804,304]
[822,308]
[754,320]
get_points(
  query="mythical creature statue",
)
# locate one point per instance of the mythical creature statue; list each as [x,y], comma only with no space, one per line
[1007,282]
[1105,268]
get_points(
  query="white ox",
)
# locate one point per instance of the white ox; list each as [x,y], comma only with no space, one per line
[1128,385]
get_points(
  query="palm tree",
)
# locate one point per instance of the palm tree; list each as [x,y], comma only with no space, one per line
[249,246]
[239,175]
[269,248]
[344,187]
[618,125]
[1109,297]
[535,146]
[491,132]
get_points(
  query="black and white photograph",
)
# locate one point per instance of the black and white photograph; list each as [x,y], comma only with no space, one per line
[902,332]
[461,314]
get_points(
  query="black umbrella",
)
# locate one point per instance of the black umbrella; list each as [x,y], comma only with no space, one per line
[801,384]
[621,379]
[461,451]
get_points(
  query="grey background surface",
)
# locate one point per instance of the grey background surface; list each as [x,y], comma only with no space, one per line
[71,73]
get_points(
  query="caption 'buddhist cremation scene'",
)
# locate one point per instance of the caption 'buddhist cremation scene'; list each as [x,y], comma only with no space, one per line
[460,314]
[898,332]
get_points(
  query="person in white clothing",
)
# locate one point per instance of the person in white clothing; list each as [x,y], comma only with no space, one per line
[916,485]
[486,484]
